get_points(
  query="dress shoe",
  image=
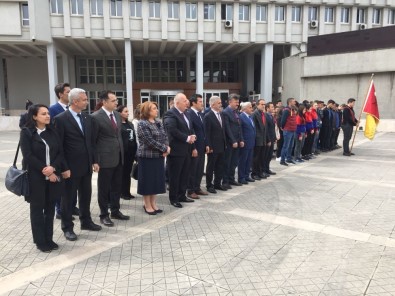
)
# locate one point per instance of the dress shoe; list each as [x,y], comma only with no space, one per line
[118,215]
[283,163]
[186,199]
[70,235]
[193,195]
[76,211]
[235,183]
[90,226]
[127,196]
[57,216]
[250,180]
[44,248]
[244,182]
[227,186]
[176,204]
[53,245]
[201,192]
[158,211]
[290,161]
[270,172]
[262,176]
[255,177]
[106,221]
[149,213]
[211,190]
[346,153]
[352,153]
[220,187]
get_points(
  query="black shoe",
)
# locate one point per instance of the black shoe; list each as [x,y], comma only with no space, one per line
[70,235]
[106,221]
[158,211]
[262,176]
[186,199]
[91,226]
[226,186]
[250,180]
[346,153]
[211,190]
[352,153]
[235,183]
[220,187]
[149,213]
[255,177]
[283,163]
[176,204]
[243,182]
[118,215]
[53,245]
[290,161]
[58,216]
[44,248]
[269,172]
[127,196]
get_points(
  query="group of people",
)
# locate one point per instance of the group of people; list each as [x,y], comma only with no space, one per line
[62,147]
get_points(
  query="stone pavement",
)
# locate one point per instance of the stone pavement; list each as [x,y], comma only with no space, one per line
[324,227]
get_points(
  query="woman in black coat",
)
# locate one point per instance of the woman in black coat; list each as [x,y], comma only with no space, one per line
[43,158]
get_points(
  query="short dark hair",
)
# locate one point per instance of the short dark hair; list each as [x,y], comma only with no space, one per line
[33,111]
[233,97]
[350,100]
[289,100]
[120,108]
[103,95]
[59,88]
[331,102]
[193,98]
[267,106]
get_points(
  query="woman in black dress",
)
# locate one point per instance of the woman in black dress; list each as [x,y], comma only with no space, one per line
[130,148]
[43,158]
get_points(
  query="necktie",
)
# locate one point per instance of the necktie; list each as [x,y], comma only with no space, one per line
[219,119]
[236,114]
[263,118]
[252,122]
[185,118]
[113,123]
[81,121]
[200,115]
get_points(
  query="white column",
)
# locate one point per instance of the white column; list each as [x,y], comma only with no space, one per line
[129,72]
[52,71]
[66,70]
[267,71]
[199,68]
[250,65]
[2,89]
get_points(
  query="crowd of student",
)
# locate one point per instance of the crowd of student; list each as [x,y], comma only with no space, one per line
[63,146]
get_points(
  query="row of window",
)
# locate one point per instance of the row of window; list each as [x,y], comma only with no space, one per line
[209,11]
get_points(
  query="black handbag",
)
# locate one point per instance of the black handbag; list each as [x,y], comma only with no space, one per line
[135,171]
[16,180]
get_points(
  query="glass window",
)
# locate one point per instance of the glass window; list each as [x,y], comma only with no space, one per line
[296,14]
[313,13]
[91,71]
[191,9]
[135,8]
[159,71]
[376,16]
[154,9]
[115,71]
[345,15]
[97,7]
[360,16]
[391,17]
[173,10]
[56,6]
[116,7]
[244,12]
[261,13]
[76,7]
[279,13]
[227,12]
[329,14]
[209,11]
[25,14]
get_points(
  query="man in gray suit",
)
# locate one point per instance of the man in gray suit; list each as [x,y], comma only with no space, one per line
[109,149]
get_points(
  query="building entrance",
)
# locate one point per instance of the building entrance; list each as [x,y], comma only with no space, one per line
[162,98]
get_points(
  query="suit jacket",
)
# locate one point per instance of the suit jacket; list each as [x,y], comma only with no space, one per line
[270,128]
[78,147]
[249,131]
[215,133]
[54,110]
[177,132]
[261,137]
[198,127]
[109,145]
[232,126]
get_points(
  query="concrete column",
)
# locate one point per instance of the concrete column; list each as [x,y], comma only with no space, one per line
[199,68]
[164,18]
[87,18]
[3,103]
[66,70]
[253,23]
[267,71]
[250,64]
[288,23]
[52,72]
[129,72]
[66,18]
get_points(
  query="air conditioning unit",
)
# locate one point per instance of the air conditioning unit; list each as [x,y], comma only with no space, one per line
[314,24]
[362,26]
[228,24]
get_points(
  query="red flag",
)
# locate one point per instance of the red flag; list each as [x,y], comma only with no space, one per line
[372,112]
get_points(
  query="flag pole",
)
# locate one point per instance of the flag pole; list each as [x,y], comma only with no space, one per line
[360,113]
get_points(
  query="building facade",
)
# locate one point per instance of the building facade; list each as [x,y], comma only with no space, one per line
[150,50]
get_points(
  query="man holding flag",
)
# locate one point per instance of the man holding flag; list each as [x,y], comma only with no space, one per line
[348,123]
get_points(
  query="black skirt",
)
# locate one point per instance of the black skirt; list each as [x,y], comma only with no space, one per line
[151,176]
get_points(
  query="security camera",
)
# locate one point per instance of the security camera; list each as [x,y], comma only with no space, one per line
[34,38]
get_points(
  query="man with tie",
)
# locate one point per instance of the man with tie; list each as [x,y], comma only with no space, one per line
[75,132]
[199,153]
[215,145]
[271,135]
[181,141]
[261,141]
[109,153]
[234,140]
[247,151]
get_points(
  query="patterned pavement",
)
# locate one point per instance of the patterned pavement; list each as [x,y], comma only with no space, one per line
[324,227]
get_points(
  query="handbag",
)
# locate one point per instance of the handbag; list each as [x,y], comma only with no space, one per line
[16,180]
[135,171]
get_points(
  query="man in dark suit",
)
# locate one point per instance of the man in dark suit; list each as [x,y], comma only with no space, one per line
[234,140]
[75,132]
[181,139]
[109,153]
[216,144]
[271,135]
[247,151]
[199,153]
[261,141]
